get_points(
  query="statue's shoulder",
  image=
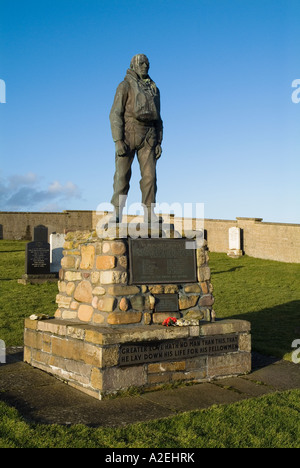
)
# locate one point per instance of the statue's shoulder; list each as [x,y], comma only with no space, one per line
[154,87]
[124,85]
[130,78]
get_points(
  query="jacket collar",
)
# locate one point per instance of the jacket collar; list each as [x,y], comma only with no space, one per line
[132,74]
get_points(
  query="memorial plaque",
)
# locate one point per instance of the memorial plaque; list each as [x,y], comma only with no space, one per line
[1,232]
[174,350]
[154,261]
[37,258]
[166,302]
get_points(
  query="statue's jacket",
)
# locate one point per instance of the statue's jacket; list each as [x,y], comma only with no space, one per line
[135,114]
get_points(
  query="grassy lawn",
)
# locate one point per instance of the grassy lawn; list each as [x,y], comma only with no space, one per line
[18,301]
[268,422]
[264,292]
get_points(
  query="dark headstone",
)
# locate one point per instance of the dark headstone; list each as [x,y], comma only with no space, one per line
[1,232]
[37,258]
[40,234]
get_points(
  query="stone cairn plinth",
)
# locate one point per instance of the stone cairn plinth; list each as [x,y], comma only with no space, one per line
[94,286]
[107,334]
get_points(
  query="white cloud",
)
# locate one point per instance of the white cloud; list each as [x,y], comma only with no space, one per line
[51,207]
[55,187]
[23,192]
[69,189]
[16,181]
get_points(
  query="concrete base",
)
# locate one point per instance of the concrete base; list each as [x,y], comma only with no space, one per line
[89,357]
[235,253]
[38,279]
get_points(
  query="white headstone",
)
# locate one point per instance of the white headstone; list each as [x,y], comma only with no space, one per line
[2,352]
[235,242]
[234,238]
[56,251]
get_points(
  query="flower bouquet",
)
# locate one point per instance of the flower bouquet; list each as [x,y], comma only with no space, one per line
[169,322]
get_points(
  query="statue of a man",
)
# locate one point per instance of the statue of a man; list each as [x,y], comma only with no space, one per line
[137,128]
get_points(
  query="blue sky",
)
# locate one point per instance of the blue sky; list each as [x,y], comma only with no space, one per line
[224,69]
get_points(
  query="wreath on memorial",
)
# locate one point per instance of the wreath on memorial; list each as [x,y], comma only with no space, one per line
[169,322]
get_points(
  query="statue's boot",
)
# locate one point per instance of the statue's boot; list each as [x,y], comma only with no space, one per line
[116,216]
[149,216]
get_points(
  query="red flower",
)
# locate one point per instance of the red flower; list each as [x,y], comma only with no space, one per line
[169,321]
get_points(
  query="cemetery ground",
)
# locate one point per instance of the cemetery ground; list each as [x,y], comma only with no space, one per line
[266,293]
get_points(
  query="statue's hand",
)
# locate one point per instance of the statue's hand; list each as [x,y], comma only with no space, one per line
[158,151]
[121,148]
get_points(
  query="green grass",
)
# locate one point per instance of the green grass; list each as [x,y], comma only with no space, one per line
[264,292]
[18,301]
[270,421]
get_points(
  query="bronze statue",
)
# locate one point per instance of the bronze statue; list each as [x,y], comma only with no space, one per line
[136,127]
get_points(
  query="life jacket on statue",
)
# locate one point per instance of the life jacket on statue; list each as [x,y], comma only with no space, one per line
[145,98]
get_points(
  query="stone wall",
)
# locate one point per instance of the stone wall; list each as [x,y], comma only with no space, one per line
[20,226]
[271,241]
[94,286]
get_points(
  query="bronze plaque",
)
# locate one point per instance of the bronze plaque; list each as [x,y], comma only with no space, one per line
[174,350]
[156,261]
[166,302]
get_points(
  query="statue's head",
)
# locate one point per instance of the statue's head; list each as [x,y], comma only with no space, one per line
[140,64]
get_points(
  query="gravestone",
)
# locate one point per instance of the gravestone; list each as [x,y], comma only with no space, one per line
[56,251]
[1,232]
[38,253]
[37,258]
[2,352]
[40,233]
[235,249]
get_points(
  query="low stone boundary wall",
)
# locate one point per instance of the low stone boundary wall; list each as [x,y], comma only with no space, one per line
[266,240]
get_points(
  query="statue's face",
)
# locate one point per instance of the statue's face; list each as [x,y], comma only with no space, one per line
[141,66]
